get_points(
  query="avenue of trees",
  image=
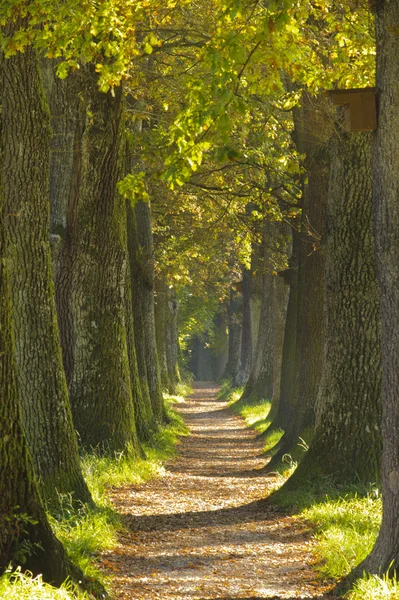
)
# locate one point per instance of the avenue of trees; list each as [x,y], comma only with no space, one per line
[178,192]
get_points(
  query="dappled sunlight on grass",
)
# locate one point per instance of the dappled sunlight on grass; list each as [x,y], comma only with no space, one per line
[373,587]
[347,529]
[15,585]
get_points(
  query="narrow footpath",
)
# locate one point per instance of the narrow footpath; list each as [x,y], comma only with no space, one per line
[199,533]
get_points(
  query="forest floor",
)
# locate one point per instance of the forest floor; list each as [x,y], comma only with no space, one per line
[200,532]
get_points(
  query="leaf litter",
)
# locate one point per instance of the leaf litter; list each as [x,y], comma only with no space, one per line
[200,532]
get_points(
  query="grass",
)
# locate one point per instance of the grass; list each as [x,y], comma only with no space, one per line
[86,531]
[255,412]
[346,523]
[15,585]
[375,588]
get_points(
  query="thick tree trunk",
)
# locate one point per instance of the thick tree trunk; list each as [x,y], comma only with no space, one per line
[46,412]
[91,284]
[19,495]
[385,554]
[141,253]
[347,440]
[313,128]
[23,523]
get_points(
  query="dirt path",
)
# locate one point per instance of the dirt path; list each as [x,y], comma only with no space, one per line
[198,533]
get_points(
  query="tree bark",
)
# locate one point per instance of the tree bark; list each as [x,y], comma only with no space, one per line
[347,440]
[266,365]
[46,413]
[172,340]
[234,328]
[25,534]
[161,327]
[245,361]
[282,409]
[385,555]
[141,253]
[91,283]
[313,129]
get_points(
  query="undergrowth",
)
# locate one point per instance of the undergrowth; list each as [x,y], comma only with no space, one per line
[85,531]
[346,522]
[15,585]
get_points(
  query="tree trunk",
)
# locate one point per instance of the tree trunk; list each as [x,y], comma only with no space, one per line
[262,379]
[220,349]
[91,284]
[172,340]
[141,254]
[347,440]
[313,128]
[385,554]
[25,534]
[245,362]
[282,410]
[234,327]
[46,412]
[161,327]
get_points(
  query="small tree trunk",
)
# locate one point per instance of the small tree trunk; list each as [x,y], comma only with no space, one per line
[282,410]
[234,327]
[262,379]
[161,328]
[46,413]
[245,361]
[141,254]
[221,347]
[172,341]
[347,440]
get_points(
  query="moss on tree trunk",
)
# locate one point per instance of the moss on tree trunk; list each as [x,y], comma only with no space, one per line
[46,413]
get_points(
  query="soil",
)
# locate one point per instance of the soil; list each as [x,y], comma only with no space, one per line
[200,531]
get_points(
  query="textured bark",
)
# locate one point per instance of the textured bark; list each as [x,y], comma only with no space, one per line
[145,419]
[161,325]
[234,328]
[91,284]
[266,366]
[347,440]
[19,496]
[385,553]
[220,349]
[313,129]
[260,381]
[141,253]
[172,340]
[46,412]
[282,410]
[245,361]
